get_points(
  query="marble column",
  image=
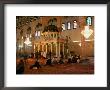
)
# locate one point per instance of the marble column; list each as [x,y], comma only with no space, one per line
[38,47]
[59,50]
[34,50]
[43,48]
[46,48]
[63,48]
[56,49]
[51,47]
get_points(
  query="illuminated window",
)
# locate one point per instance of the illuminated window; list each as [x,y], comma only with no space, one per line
[69,25]
[63,26]
[89,21]
[74,24]
[37,34]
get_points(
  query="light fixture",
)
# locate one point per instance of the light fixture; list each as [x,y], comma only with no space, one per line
[27,42]
[30,45]
[20,46]
[80,44]
[87,32]
[89,40]
[76,41]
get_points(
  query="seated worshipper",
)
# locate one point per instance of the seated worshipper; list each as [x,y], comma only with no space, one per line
[75,59]
[78,59]
[20,67]
[54,61]
[61,61]
[37,65]
[69,60]
[49,62]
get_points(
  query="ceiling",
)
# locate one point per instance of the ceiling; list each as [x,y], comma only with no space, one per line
[23,20]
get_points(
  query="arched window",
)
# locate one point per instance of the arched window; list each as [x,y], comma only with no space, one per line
[37,34]
[74,24]
[69,25]
[89,21]
[63,27]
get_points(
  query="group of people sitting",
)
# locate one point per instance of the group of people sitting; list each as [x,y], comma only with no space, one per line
[50,62]
[53,61]
[74,59]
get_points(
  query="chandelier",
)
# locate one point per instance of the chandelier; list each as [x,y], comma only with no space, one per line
[27,42]
[87,32]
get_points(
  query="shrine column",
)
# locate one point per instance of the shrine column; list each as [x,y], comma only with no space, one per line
[43,48]
[38,47]
[59,50]
[46,48]
[63,48]
[51,47]
[56,35]
[34,49]
[56,49]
